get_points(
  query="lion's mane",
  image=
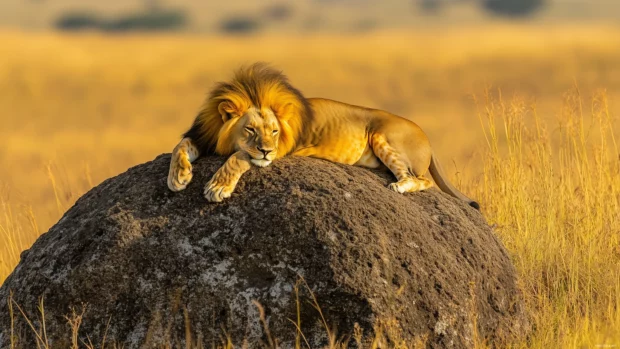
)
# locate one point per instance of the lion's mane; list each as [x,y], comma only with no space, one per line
[256,85]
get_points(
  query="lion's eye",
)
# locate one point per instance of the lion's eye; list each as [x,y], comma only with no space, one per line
[249,129]
[275,132]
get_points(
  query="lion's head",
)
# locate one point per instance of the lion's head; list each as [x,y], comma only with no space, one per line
[257,112]
[257,133]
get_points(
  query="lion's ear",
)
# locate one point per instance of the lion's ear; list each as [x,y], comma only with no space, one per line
[284,111]
[228,110]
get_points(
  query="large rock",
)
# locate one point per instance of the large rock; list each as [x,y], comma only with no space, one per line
[146,260]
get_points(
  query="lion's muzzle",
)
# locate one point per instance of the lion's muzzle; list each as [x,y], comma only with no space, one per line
[261,162]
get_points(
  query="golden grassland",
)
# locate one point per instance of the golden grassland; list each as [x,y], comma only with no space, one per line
[524,119]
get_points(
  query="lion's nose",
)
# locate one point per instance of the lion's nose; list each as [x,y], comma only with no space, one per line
[264,151]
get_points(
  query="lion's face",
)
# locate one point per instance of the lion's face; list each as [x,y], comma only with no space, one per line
[258,132]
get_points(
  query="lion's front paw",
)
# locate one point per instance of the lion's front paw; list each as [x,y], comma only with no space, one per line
[216,191]
[180,173]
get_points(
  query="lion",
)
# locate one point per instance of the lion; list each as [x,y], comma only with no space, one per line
[259,117]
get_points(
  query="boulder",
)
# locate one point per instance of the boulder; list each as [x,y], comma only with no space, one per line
[146,266]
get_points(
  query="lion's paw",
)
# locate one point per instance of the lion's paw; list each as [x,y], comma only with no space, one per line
[410,184]
[180,173]
[403,186]
[216,191]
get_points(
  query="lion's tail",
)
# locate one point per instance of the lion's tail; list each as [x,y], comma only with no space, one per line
[443,184]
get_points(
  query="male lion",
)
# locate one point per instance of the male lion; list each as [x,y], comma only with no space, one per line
[259,117]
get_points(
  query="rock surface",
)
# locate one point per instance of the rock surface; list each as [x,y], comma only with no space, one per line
[146,260]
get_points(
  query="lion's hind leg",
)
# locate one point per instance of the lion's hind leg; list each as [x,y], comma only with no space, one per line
[406,180]
[180,173]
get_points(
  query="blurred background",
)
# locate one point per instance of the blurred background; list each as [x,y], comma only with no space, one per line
[300,16]
[520,99]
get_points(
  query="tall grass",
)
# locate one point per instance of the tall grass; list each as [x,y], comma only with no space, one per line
[387,333]
[19,227]
[554,195]
[18,230]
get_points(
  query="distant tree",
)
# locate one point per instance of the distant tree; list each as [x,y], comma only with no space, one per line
[78,21]
[151,20]
[513,8]
[239,25]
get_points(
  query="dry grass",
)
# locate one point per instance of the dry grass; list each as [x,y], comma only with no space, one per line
[386,334]
[541,156]
[555,197]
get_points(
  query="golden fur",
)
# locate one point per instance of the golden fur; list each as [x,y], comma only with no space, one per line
[258,117]
[257,85]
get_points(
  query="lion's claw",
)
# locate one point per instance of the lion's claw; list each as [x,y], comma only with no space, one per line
[180,173]
[216,192]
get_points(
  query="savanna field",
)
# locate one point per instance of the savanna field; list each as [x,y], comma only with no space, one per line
[524,118]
